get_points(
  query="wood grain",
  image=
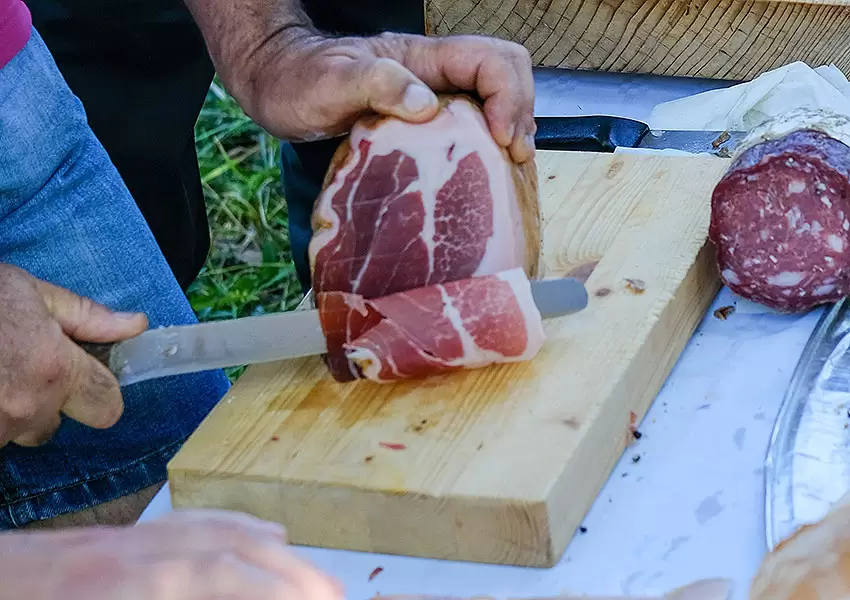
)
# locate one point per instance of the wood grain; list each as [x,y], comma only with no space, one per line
[720,39]
[494,465]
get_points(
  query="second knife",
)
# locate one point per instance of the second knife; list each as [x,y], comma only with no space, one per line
[602,133]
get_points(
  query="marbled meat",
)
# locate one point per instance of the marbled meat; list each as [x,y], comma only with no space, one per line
[780,216]
[407,206]
[461,324]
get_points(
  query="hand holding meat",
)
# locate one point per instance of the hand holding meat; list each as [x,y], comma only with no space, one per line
[192,555]
[45,372]
[302,85]
[321,86]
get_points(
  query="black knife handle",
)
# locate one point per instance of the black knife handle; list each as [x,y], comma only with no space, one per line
[588,134]
[100,352]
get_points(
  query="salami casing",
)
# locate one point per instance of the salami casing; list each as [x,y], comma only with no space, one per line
[780,215]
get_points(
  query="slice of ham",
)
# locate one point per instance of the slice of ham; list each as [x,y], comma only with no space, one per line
[439,328]
[407,206]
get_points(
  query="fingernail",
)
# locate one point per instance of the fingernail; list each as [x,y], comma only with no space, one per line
[511,132]
[529,141]
[126,316]
[417,98]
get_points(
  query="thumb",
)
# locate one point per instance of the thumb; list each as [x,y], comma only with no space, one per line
[388,88]
[87,321]
[94,396]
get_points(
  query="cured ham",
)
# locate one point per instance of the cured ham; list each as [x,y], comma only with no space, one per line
[780,216]
[440,328]
[407,206]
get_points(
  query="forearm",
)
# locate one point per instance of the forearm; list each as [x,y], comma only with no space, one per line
[238,35]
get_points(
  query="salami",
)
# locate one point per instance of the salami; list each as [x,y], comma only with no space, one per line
[780,215]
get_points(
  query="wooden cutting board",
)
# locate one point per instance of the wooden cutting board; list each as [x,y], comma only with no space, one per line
[493,465]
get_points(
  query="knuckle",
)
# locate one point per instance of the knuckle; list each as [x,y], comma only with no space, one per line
[383,73]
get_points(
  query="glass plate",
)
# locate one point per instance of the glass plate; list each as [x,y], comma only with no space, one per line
[807,469]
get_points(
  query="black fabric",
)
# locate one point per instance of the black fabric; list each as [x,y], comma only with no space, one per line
[305,164]
[142,71]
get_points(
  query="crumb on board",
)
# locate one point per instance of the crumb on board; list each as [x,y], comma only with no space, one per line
[602,292]
[637,434]
[721,139]
[724,312]
[419,427]
[369,459]
[582,529]
[636,458]
[632,428]
[635,286]
[392,445]
[375,572]
[275,438]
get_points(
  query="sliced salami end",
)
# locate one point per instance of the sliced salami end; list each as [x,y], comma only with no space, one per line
[780,221]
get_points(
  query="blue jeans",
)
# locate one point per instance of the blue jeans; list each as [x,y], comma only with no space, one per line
[66,217]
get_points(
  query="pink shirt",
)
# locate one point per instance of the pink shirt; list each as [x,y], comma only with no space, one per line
[15,27]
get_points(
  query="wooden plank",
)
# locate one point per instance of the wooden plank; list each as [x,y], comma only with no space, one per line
[720,39]
[499,464]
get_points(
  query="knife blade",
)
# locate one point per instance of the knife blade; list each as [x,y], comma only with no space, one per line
[250,340]
[604,133]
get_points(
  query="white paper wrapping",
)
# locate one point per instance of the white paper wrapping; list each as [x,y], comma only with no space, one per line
[746,105]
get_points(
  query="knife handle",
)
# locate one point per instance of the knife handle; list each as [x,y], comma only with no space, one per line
[588,134]
[102,352]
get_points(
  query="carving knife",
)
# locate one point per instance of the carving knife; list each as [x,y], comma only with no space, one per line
[191,348]
[603,133]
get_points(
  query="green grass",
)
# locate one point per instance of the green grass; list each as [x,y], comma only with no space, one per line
[249,270]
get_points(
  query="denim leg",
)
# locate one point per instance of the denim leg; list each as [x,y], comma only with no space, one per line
[66,217]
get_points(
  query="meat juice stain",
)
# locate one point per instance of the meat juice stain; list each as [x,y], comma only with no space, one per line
[392,445]
[342,405]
